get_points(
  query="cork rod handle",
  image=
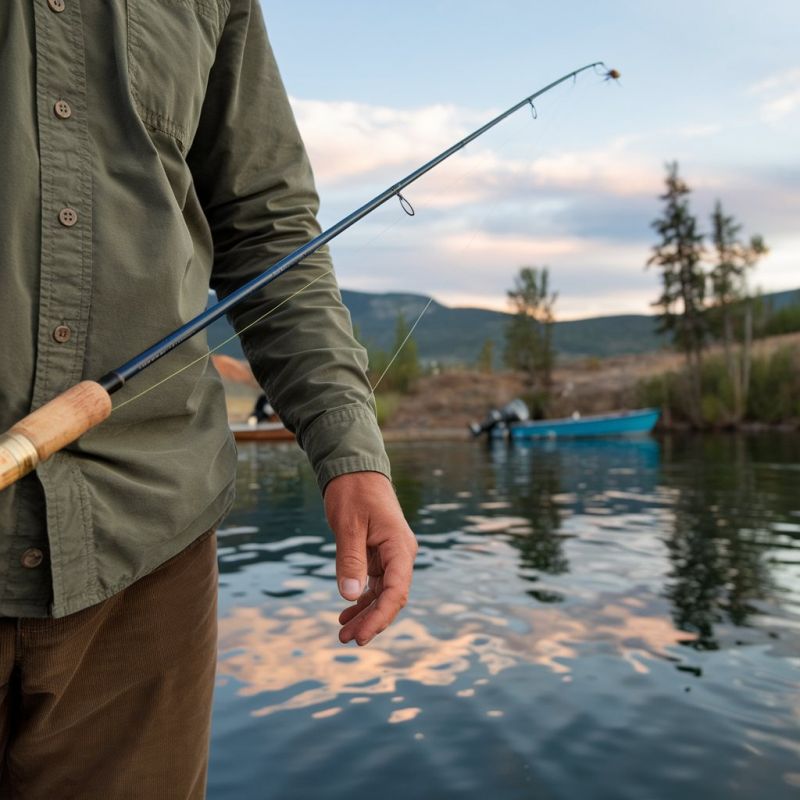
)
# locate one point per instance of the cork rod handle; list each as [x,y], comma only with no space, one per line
[51,427]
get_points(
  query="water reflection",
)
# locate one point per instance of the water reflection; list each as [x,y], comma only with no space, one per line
[722,513]
[631,572]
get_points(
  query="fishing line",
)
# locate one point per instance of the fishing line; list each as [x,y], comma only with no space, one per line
[545,122]
[402,344]
[115,379]
[410,211]
[558,105]
[214,349]
[74,412]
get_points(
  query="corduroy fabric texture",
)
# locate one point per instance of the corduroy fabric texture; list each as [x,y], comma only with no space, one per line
[114,702]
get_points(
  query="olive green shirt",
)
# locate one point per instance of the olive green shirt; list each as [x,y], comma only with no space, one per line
[147,151]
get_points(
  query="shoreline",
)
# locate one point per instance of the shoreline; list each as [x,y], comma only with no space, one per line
[415,434]
[391,435]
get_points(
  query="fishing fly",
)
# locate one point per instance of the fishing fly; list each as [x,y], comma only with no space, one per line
[67,417]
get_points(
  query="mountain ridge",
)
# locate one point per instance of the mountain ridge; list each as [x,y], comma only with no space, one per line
[453,334]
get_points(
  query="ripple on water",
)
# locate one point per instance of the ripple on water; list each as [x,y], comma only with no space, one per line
[667,668]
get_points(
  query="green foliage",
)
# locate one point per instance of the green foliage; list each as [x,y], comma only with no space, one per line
[529,335]
[401,373]
[717,400]
[538,402]
[522,344]
[730,317]
[775,388]
[727,276]
[678,256]
[386,404]
[774,395]
[670,392]
[786,320]
[734,260]
[485,362]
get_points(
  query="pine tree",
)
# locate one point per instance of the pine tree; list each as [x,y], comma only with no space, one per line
[485,361]
[406,367]
[734,259]
[529,336]
[682,302]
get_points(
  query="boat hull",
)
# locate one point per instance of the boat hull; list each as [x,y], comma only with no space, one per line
[264,432]
[629,423]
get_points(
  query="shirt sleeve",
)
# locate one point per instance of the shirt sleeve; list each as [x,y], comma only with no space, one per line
[254,181]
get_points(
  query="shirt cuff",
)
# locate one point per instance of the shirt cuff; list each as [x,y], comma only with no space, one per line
[345,439]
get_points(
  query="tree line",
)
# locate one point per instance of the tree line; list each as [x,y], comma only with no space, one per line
[705,294]
[529,335]
[705,299]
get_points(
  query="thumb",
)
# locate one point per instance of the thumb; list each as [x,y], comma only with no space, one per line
[351,562]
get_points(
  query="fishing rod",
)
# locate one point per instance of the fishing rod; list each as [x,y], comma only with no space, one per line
[67,417]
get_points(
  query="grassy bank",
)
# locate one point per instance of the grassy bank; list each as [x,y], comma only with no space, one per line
[453,398]
[773,396]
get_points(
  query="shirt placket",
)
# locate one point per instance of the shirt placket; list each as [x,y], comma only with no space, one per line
[65,288]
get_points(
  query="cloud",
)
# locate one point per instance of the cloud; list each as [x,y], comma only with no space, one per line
[781,268]
[349,141]
[781,92]
[775,110]
[777,81]
[699,130]
[585,212]
[461,267]
[483,245]
[569,306]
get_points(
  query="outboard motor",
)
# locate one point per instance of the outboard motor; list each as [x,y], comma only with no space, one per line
[515,411]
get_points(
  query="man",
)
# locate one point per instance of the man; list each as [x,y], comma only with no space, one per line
[148,151]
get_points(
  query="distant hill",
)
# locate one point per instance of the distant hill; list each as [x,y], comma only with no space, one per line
[457,334]
[451,335]
[778,300]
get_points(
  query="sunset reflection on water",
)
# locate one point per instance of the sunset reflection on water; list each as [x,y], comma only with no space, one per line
[296,645]
[589,583]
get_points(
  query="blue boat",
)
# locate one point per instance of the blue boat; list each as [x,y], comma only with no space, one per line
[622,423]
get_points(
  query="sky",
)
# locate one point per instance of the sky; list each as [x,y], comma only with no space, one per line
[379,88]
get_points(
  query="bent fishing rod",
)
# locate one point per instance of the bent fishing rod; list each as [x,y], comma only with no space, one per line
[67,417]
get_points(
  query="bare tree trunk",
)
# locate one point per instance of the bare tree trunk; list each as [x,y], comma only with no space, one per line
[733,365]
[747,354]
[694,371]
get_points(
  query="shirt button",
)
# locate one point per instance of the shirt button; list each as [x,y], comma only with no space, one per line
[62,109]
[68,217]
[31,558]
[61,333]
[57,5]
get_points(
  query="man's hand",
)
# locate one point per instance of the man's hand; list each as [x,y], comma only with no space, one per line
[372,539]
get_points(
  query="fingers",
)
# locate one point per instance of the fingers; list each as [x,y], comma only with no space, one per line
[375,585]
[367,619]
[351,561]
[350,529]
[353,611]
[362,509]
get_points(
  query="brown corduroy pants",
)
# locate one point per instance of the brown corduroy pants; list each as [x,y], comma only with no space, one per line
[114,702]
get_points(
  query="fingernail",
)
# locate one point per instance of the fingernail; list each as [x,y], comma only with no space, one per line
[351,586]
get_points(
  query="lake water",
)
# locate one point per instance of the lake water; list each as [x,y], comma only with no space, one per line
[589,620]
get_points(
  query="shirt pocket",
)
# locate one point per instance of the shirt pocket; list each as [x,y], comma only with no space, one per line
[171,49]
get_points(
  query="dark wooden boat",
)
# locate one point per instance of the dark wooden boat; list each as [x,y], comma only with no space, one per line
[261,432]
